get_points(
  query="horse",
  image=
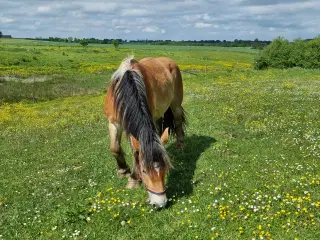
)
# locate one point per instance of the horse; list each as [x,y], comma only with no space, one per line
[144,99]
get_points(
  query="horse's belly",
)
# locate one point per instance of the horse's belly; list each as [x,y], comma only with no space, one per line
[161,105]
[159,111]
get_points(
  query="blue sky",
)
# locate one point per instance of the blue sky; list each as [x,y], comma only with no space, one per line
[162,19]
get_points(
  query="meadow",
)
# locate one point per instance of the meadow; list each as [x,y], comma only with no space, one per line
[249,170]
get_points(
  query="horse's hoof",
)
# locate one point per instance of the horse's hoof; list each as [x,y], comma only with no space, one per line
[133,183]
[124,173]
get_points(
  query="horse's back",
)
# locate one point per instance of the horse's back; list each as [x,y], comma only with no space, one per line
[163,71]
[163,82]
[160,66]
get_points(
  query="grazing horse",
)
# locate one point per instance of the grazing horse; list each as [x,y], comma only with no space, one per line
[144,99]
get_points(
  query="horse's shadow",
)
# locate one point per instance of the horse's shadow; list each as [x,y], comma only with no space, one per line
[180,178]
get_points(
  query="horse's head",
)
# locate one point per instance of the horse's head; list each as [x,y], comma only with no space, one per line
[153,176]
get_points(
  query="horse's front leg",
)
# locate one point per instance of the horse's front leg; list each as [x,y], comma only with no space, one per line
[134,180]
[115,147]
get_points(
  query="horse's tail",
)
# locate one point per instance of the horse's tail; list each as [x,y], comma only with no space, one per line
[131,104]
[167,121]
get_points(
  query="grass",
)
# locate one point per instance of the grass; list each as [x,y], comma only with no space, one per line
[250,168]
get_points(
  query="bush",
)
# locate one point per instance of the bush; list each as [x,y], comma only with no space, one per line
[283,54]
[84,43]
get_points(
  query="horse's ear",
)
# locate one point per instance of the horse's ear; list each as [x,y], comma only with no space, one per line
[165,136]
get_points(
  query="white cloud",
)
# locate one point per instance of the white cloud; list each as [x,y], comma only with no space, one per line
[44,9]
[163,31]
[280,8]
[135,12]
[120,27]
[191,18]
[98,7]
[149,29]
[206,17]
[203,25]
[6,20]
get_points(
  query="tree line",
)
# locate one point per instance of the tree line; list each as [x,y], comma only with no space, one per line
[259,44]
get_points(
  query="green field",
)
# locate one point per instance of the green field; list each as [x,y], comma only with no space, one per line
[249,170]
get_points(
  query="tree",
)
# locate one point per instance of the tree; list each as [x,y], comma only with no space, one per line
[116,43]
[257,44]
[0,34]
[84,43]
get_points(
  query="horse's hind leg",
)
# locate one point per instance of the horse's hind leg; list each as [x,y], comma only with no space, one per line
[116,150]
[179,120]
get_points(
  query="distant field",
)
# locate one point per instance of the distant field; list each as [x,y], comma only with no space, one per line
[250,168]
[49,71]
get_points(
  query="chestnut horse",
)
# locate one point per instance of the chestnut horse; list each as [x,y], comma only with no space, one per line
[144,99]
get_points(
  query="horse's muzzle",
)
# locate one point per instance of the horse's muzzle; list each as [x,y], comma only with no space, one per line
[157,200]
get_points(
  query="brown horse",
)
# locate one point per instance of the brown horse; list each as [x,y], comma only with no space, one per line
[144,99]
